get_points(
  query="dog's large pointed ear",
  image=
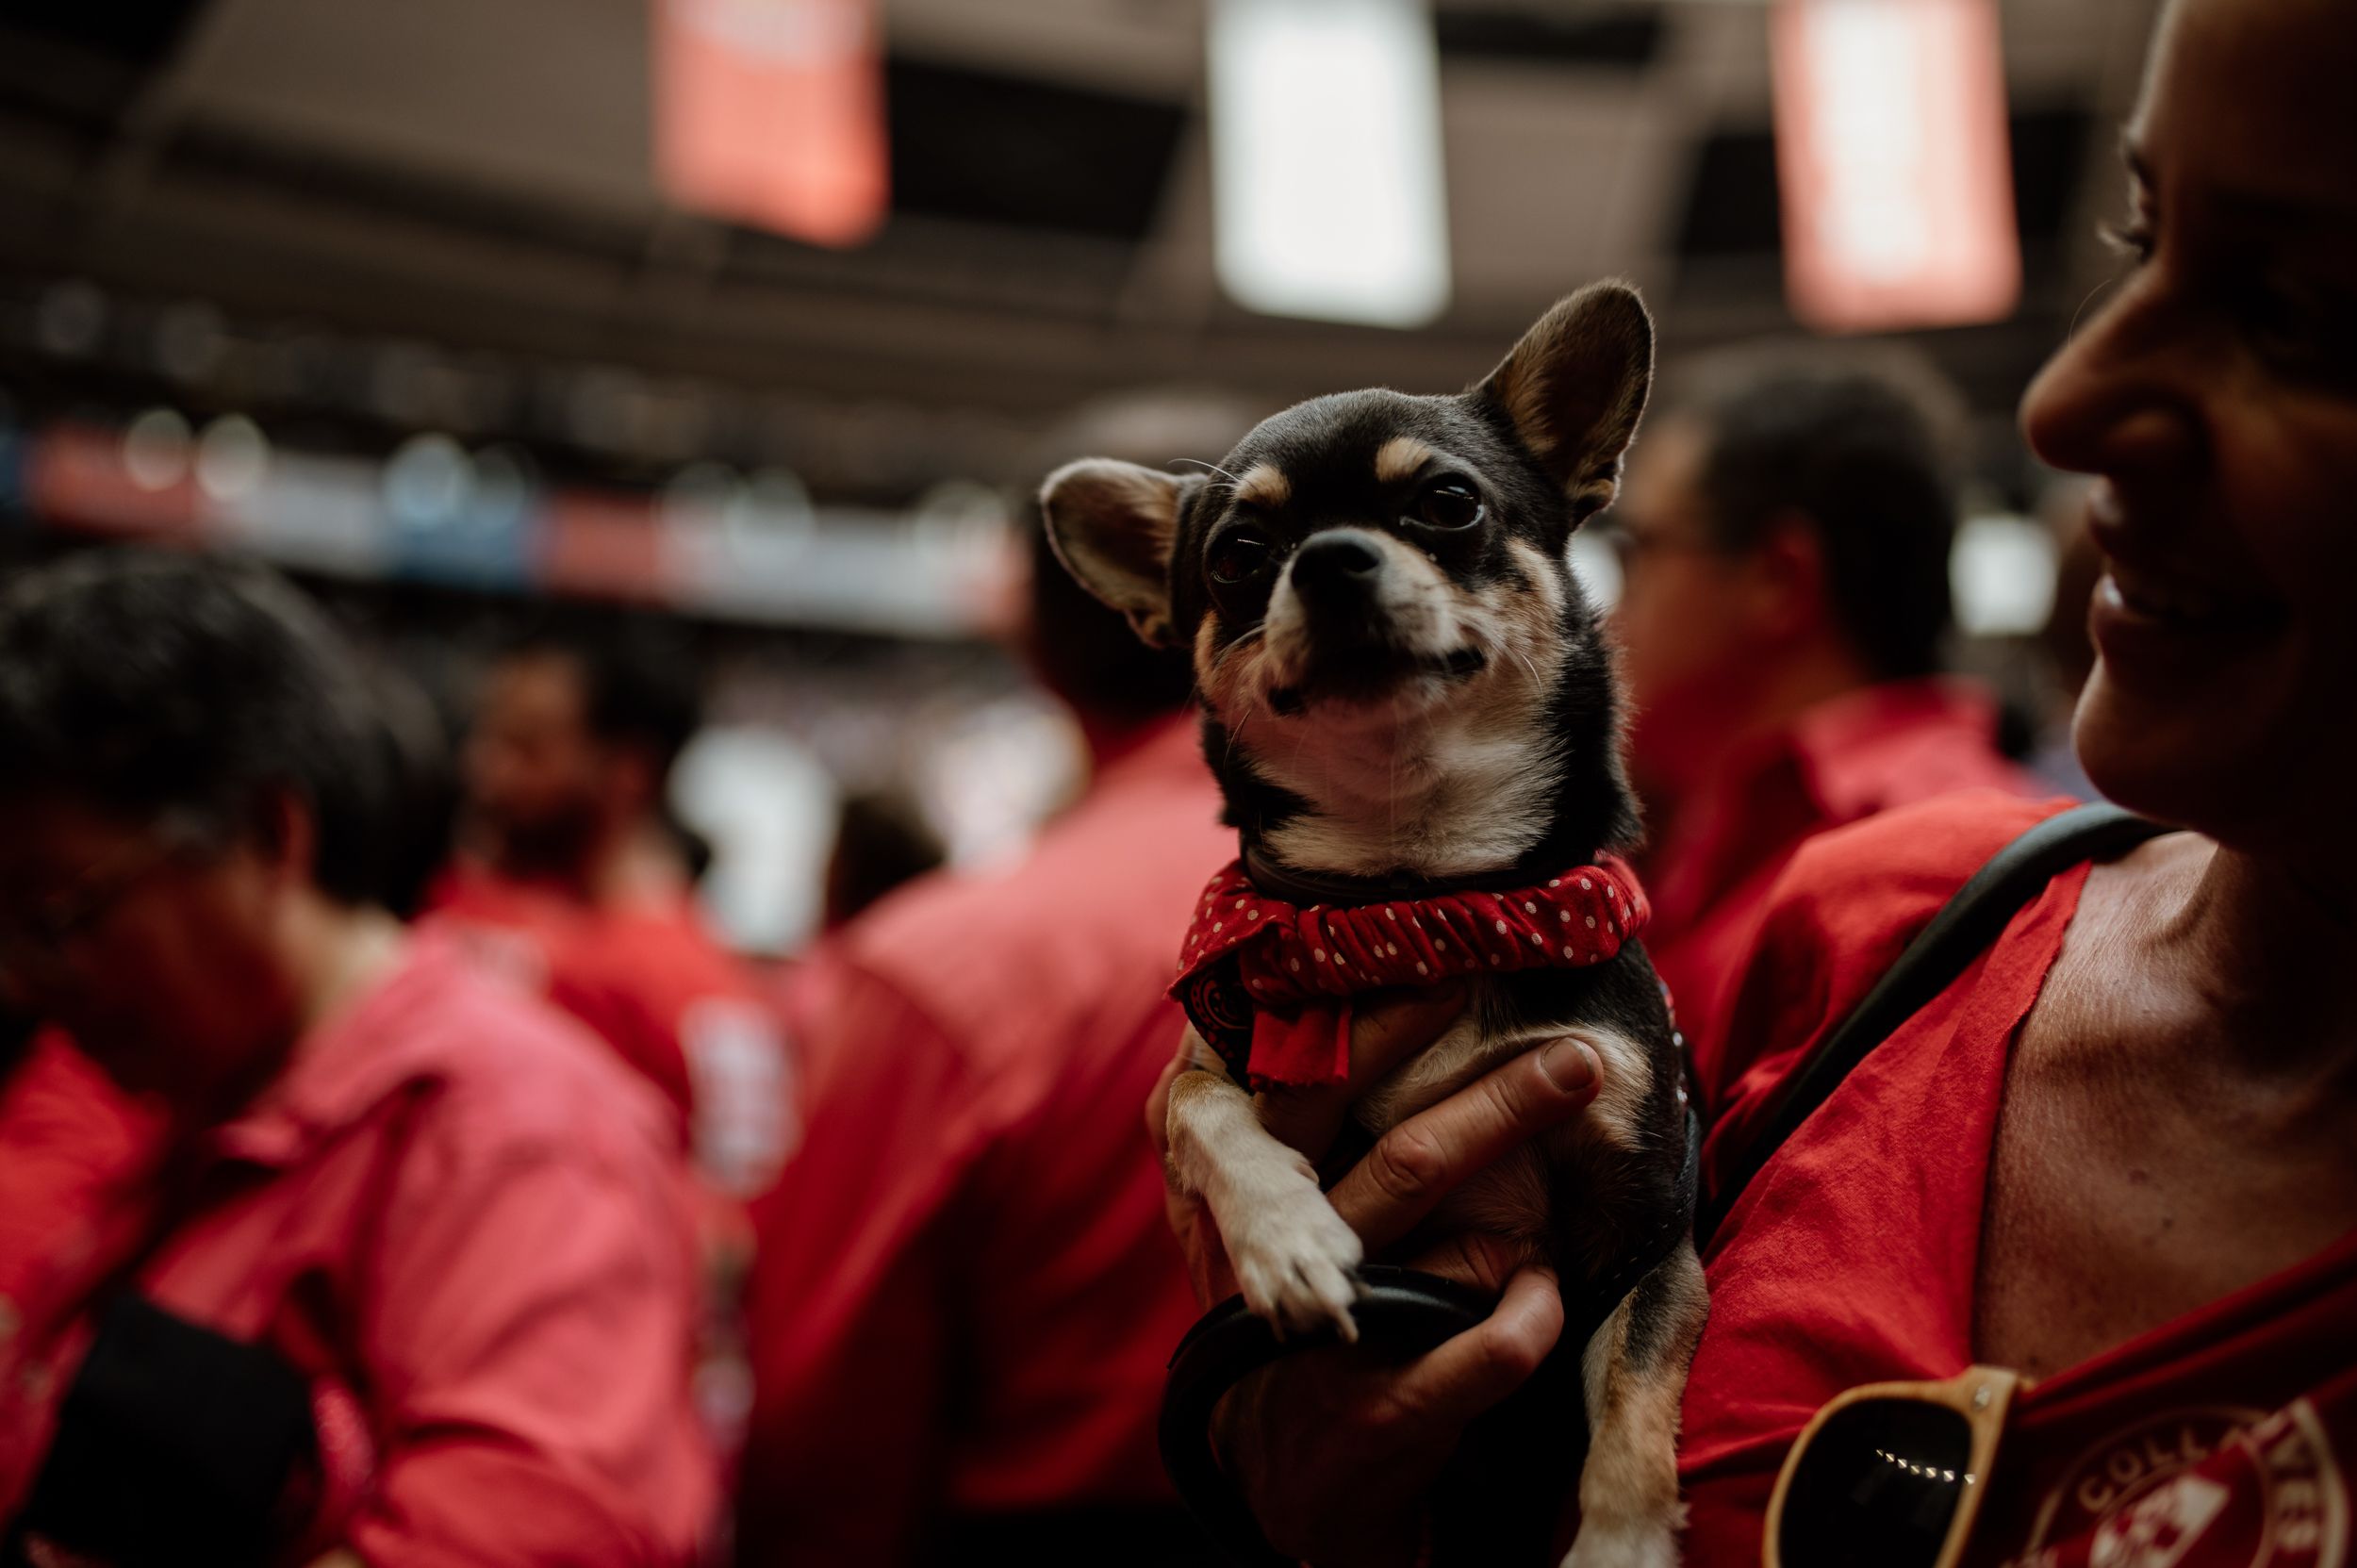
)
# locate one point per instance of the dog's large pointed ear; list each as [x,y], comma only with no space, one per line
[1113,525]
[1575,387]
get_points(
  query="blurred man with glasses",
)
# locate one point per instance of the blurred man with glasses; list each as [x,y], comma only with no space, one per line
[1783,536]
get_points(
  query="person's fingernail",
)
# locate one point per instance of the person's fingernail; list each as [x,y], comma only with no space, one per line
[1569,1065]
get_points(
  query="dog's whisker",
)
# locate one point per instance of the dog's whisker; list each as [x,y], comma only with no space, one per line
[1213,468]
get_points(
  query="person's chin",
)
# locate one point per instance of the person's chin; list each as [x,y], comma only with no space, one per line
[2173,761]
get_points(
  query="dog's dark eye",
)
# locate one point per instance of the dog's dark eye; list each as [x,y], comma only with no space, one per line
[1448,504]
[1238,556]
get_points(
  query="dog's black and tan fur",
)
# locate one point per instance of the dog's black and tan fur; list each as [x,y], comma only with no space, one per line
[1403,683]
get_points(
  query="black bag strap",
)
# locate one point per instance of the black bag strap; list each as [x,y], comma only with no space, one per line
[1961,932]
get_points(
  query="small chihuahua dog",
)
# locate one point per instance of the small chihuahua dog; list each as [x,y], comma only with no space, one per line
[1411,711]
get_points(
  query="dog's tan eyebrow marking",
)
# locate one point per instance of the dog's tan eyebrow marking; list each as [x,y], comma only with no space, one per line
[1399,459]
[1264,484]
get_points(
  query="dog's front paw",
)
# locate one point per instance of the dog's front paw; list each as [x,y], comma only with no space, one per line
[1625,1544]
[1293,1260]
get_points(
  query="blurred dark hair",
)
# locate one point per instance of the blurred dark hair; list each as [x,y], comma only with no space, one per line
[1086,653]
[192,688]
[424,795]
[1081,650]
[641,685]
[1861,445]
[880,841]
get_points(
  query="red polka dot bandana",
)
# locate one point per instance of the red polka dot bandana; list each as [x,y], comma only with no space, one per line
[1267,983]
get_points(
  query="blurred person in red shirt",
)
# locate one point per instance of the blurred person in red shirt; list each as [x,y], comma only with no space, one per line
[965,1289]
[575,881]
[70,1137]
[1784,535]
[403,1271]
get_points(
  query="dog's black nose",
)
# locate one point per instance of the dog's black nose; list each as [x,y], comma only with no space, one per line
[1335,565]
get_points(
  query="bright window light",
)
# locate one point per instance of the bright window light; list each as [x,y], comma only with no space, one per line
[1891,155]
[1326,159]
[2001,571]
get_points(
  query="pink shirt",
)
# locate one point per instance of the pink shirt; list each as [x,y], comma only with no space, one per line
[967,1288]
[652,979]
[464,1220]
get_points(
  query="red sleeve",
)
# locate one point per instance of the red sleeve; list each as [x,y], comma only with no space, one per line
[847,1334]
[531,1333]
[1843,911]
[66,1135]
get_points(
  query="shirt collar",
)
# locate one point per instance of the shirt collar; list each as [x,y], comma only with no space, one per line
[346,1067]
[1841,759]
[1850,748]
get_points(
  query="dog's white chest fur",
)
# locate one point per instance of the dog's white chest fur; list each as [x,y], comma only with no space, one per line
[1442,795]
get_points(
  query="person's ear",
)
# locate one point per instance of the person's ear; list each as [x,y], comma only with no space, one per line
[285,838]
[1575,387]
[1787,568]
[1113,525]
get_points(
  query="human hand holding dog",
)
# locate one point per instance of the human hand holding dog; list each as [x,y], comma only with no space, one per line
[1338,1427]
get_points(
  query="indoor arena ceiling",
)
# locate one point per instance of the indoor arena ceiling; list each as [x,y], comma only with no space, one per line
[474,172]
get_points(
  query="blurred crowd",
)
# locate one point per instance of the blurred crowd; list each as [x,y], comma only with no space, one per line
[404,1163]
[397,1165]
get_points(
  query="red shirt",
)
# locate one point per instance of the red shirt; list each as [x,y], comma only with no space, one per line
[966,1287]
[650,977]
[2216,1441]
[1842,761]
[67,1136]
[466,1225]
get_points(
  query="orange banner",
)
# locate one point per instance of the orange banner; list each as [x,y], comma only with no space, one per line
[770,114]
[1891,150]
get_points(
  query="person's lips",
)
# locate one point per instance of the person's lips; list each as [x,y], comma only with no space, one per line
[2171,631]
[2159,619]
[2182,602]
